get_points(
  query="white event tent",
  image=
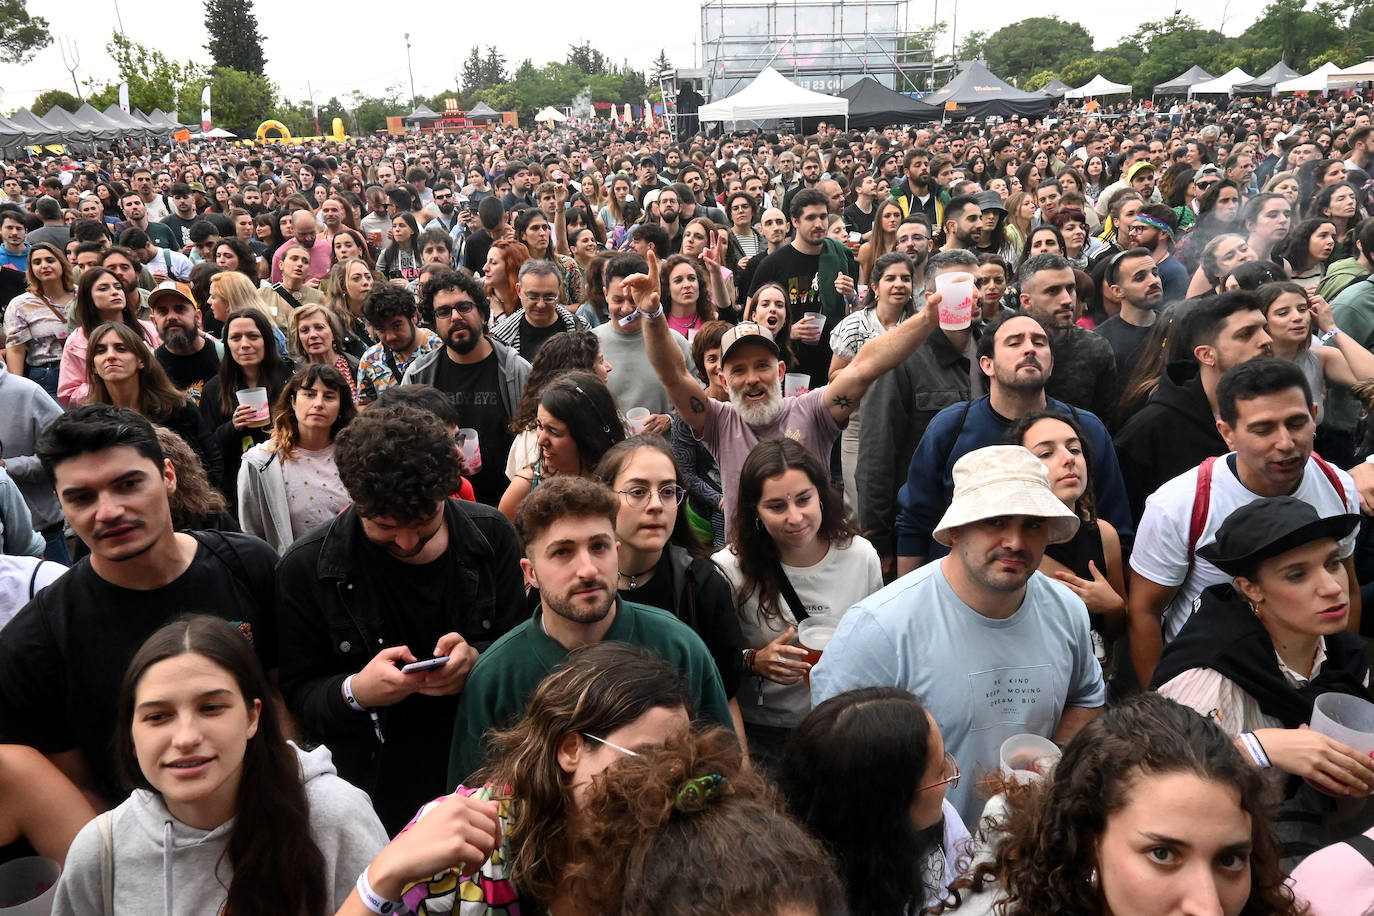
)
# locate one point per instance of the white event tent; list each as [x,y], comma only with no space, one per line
[1354,75]
[1310,82]
[1097,86]
[1223,84]
[770,96]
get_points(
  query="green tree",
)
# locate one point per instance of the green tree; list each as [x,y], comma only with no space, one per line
[1294,32]
[1037,79]
[474,71]
[1034,44]
[1112,66]
[369,112]
[54,98]
[587,59]
[21,34]
[971,47]
[239,101]
[235,41]
[662,65]
[916,54]
[493,67]
[1162,49]
[155,81]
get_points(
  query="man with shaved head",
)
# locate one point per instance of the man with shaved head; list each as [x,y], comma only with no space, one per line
[307,236]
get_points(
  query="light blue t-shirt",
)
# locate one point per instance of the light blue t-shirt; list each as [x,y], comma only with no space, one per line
[983,680]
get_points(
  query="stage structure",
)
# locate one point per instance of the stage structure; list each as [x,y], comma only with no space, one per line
[817,44]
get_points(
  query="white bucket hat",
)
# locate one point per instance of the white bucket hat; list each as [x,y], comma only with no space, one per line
[1002,480]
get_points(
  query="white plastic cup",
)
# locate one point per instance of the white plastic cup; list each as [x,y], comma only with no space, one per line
[638,418]
[1025,758]
[255,398]
[1347,719]
[471,450]
[28,885]
[956,300]
[795,384]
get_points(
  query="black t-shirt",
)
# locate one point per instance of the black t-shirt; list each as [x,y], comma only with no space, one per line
[190,372]
[532,338]
[1128,342]
[181,228]
[63,657]
[856,220]
[796,271]
[475,390]
[476,251]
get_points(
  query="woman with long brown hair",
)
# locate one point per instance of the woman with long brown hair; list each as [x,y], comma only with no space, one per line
[99,298]
[794,556]
[123,372]
[887,216]
[290,484]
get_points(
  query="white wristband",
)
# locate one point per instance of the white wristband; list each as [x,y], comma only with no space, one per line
[353,704]
[371,899]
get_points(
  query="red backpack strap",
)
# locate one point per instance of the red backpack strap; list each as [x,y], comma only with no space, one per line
[1202,504]
[1330,473]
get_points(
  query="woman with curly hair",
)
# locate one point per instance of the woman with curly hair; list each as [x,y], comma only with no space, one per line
[1152,809]
[513,839]
[561,353]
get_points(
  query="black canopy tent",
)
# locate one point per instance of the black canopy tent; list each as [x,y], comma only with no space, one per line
[977,93]
[482,112]
[1180,84]
[1267,80]
[1055,88]
[871,104]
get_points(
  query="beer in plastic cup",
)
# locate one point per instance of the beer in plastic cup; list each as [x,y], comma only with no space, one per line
[1028,757]
[1344,718]
[956,300]
[795,384]
[638,418]
[255,398]
[28,885]
[813,635]
[471,449]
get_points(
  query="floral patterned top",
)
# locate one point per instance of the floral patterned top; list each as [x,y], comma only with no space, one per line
[486,892]
[29,320]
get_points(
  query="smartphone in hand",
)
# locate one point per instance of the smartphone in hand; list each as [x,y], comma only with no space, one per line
[426,665]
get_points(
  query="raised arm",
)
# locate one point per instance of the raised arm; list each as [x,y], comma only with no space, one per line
[878,356]
[664,355]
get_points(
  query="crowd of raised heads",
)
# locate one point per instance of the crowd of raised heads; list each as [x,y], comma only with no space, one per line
[957,518]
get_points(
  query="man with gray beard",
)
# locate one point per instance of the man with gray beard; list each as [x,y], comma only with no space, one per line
[751,372]
[188,356]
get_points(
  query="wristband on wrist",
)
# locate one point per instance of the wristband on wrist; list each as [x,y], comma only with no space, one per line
[1252,744]
[353,704]
[371,899]
[1326,336]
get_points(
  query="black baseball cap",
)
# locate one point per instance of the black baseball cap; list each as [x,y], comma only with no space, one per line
[1268,527]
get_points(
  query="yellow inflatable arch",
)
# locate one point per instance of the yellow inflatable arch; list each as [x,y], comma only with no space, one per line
[284,135]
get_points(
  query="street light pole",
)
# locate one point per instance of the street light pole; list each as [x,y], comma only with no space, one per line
[410,68]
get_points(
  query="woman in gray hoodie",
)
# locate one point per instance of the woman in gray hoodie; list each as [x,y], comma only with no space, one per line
[227,816]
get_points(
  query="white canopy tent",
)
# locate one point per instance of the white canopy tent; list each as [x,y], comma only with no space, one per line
[1096,87]
[1223,84]
[549,115]
[770,96]
[1351,76]
[1310,82]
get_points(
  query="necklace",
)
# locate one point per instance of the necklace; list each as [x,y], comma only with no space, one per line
[633,578]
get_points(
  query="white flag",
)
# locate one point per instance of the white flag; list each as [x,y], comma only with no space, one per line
[205,110]
[124,97]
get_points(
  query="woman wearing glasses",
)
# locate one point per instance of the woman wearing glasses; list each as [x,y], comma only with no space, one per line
[794,556]
[661,562]
[866,772]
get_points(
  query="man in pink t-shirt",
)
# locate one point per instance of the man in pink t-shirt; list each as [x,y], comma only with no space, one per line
[752,371]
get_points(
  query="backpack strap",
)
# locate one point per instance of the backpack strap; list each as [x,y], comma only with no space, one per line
[282,291]
[1363,845]
[1329,473]
[789,594]
[33,579]
[1202,504]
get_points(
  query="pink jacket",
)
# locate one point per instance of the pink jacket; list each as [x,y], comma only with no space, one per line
[72,387]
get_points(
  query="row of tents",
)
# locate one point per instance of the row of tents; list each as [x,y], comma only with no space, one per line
[977,93]
[86,125]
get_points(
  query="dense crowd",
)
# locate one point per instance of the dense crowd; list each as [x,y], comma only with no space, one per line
[960,518]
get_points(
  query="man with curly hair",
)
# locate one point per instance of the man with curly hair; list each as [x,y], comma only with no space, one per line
[403,575]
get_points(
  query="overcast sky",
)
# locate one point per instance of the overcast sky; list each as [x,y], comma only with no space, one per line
[342,45]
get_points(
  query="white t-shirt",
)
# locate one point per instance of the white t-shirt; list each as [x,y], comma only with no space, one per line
[844,577]
[1161,541]
[20,579]
[983,680]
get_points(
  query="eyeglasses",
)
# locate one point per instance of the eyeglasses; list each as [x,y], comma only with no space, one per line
[615,747]
[952,780]
[546,298]
[638,497]
[462,307]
